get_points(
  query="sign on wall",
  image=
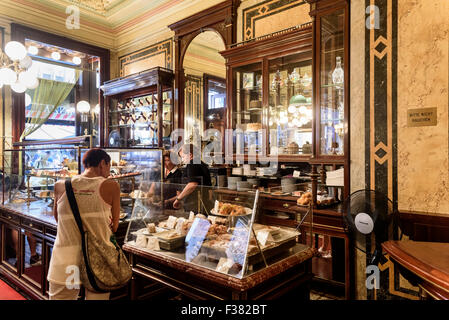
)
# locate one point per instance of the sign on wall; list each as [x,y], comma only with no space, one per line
[422,117]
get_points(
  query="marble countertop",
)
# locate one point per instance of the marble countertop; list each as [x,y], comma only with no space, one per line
[302,254]
[35,210]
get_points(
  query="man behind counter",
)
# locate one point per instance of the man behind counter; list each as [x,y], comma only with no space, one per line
[194,174]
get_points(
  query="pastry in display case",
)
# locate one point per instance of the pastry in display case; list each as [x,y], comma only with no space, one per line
[222,233]
[33,168]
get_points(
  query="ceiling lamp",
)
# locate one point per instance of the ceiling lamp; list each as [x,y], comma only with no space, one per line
[33,50]
[76,60]
[14,65]
[15,50]
[18,87]
[27,99]
[56,55]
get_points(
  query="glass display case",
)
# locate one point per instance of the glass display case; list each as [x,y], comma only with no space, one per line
[247,115]
[31,170]
[271,97]
[290,112]
[216,228]
[135,170]
[332,80]
[140,109]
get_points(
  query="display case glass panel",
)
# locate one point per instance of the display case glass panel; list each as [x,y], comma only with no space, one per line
[290,111]
[214,228]
[134,170]
[31,172]
[332,83]
[134,121]
[247,113]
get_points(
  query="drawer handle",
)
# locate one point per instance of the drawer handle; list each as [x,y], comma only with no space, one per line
[286,205]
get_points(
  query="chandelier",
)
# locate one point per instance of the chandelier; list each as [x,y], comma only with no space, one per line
[15,66]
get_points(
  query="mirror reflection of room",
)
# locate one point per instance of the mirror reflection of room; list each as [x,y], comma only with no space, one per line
[205,85]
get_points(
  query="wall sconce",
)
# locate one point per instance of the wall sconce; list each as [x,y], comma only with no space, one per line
[83,107]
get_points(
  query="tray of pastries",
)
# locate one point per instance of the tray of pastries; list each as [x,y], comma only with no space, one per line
[224,209]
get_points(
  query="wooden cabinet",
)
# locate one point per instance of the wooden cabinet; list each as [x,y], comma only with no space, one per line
[270,95]
[139,109]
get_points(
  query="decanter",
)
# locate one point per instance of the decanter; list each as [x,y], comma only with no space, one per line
[338,76]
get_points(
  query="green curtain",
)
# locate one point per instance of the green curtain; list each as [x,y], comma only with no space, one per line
[47,97]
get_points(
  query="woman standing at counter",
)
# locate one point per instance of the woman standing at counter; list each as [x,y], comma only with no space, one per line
[98,200]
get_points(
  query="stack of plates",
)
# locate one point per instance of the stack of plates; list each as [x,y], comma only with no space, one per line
[253,181]
[232,182]
[243,186]
[237,171]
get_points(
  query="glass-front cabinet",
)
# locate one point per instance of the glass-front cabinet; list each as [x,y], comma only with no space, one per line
[290,113]
[140,109]
[247,114]
[271,97]
[332,80]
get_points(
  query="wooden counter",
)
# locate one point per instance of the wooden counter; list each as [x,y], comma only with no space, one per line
[426,264]
[34,221]
[196,282]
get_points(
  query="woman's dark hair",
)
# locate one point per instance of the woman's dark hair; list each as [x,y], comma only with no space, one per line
[93,157]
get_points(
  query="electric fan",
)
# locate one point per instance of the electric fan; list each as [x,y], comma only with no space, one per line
[114,139]
[370,217]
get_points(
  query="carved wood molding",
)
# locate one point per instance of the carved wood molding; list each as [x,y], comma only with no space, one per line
[221,18]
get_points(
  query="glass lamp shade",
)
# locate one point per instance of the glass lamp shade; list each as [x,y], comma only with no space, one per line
[18,87]
[15,50]
[297,100]
[27,78]
[7,76]
[27,99]
[56,55]
[33,50]
[34,85]
[83,106]
[97,109]
[26,62]
[76,60]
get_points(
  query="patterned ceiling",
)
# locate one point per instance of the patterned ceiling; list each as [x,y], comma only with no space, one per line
[99,6]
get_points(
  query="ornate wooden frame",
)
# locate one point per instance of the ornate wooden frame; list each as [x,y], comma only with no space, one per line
[20,33]
[221,18]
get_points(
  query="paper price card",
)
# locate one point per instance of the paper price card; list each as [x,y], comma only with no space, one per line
[195,237]
[224,264]
[153,243]
[216,206]
[171,222]
[191,216]
[264,236]
[296,174]
[141,241]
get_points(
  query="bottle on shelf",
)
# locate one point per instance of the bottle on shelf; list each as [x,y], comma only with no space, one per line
[338,75]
